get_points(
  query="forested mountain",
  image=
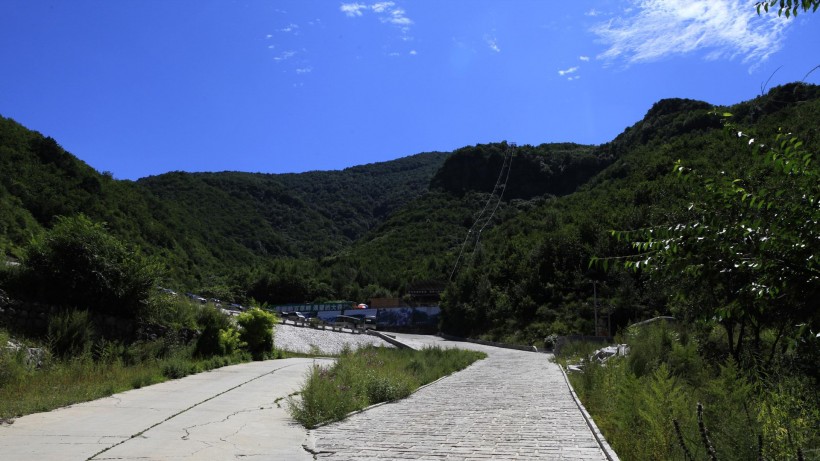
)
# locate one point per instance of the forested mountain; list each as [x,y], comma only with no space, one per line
[528,275]
[201,225]
[515,258]
[309,214]
[531,275]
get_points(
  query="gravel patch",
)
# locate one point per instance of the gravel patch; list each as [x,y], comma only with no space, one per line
[307,340]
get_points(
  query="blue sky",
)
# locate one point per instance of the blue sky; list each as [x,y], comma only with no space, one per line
[140,88]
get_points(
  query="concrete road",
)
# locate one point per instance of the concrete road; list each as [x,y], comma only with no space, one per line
[236,412]
[512,405]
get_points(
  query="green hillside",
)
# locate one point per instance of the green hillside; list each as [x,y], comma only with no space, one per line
[201,225]
[537,217]
[310,214]
[528,275]
[532,276]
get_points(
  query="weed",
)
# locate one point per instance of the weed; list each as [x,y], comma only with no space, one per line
[369,376]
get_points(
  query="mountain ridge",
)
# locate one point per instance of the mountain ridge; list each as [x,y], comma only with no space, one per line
[370,230]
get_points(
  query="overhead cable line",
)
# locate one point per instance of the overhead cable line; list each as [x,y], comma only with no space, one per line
[500,198]
[505,165]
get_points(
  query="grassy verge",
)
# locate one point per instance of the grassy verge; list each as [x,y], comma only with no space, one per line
[75,363]
[638,400]
[369,376]
[26,388]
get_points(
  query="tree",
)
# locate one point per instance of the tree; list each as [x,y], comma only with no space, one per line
[750,240]
[78,264]
[788,7]
[257,331]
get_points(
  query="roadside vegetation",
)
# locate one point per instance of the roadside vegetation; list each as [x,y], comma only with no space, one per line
[647,403]
[95,324]
[43,381]
[739,378]
[369,376]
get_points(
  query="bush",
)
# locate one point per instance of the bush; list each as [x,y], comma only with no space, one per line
[230,342]
[635,399]
[171,311]
[70,333]
[77,264]
[179,367]
[12,361]
[212,324]
[257,332]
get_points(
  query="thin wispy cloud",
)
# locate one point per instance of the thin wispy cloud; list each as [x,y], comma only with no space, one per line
[571,70]
[353,9]
[722,29]
[387,13]
[304,70]
[492,42]
[382,6]
[570,73]
[289,28]
[584,58]
[284,56]
[398,17]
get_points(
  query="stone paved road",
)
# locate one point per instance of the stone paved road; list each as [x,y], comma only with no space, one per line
[512,405]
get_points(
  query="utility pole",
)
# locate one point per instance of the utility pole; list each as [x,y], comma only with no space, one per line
[595,300]
[609,320]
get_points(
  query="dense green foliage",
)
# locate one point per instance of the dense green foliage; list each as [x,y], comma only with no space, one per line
[373,230]
[248,216]
[746,250]
[256,331]
[637,399]
[77,264]
[548,169]
[217,336]
[530,276]
[201,226]
[369,376]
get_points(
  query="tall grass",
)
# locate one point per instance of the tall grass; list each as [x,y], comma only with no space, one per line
[636,399]
[369,376]
[101,370]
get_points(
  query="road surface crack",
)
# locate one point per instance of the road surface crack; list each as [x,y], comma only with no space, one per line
[138,434]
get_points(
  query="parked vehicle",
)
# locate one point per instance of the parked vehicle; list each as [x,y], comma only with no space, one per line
[366,322]
[293,316]
[346,321]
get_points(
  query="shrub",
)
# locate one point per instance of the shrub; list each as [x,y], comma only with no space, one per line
[177,368]
[171,311]
[212,323]
[650,345]
[789,416]
[70,333]
[12,361]
[230,341]
[77,264]
[257,332]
